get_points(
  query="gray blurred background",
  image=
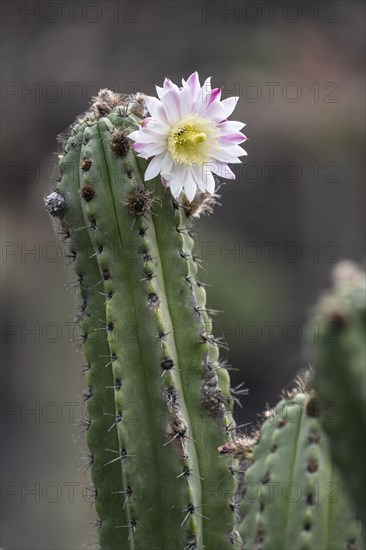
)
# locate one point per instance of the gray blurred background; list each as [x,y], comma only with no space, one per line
[296,209]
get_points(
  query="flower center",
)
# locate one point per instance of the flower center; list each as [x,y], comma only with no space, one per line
[191,140]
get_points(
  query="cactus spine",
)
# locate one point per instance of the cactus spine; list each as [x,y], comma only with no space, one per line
[154,442]
[293,497]
[340,377]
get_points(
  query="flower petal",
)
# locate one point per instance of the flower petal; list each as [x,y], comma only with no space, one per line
[177,180]
[152,149]
[171,106]
[230,126]
[225,155]
[209,181]
[154,167]
[197,172]
[190,186]
[149,136]
[232,139]
[166,169]
[215,95]
[229,105]
[135,135]
[193,83]
[222,169]
[186,102]
[155,108]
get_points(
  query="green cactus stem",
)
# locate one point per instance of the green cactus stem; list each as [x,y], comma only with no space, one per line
[293,497]
[340,377]
[155,377]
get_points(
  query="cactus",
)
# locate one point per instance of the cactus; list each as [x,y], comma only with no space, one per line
[159,398]
[340,376]
[292,496]
[169,469]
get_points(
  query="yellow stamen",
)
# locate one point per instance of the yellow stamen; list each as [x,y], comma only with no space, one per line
[190,141]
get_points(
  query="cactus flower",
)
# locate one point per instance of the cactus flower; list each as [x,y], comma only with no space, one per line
[188,137]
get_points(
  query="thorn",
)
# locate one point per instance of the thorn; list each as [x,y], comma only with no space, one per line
[209,311]
[236,392]
[131,525]
[190,511]
[184,255]
[185,230]
[148,277]
[122,455]
[198,261]
[111,357]
[162,336]
[195,282]
[188,472]
[85,368]
[117,385]
[118,419]
[127,492]
[65,234]
[72,257]
[91,226]
[76,282]
[210,339]
[108,294]
[143,230]
[167,365]
[89,461]
[234,427]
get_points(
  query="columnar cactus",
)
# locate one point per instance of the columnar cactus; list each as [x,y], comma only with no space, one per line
[293,499]
[158,397]
[340,376]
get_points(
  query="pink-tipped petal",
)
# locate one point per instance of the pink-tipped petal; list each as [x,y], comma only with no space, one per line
[215,95]
[193,82]
[232,139]
[138,146]
[169,85]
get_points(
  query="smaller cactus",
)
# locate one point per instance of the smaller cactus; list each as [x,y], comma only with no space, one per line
[340,376]
[293,498]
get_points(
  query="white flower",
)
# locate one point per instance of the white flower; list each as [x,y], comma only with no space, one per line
[188,136]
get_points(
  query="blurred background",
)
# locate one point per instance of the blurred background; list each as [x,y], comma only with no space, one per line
[296,209]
